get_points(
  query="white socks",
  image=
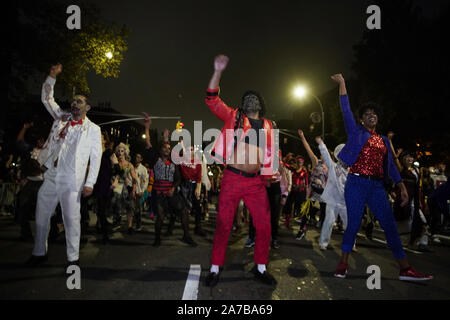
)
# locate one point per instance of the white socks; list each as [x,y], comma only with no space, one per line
[215,269]
[261,268]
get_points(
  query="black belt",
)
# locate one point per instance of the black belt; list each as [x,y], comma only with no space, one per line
[375,178]
[243,173]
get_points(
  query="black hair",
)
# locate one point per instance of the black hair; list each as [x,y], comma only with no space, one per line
[260,98]
[407,153]
[370,105]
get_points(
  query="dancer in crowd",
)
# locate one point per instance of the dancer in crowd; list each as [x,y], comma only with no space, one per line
[333,194]
[191,187]
[370,161]
[73,142]
[298,189]
[317,183]
[103,189]
[411,211]
[141,186]
[165,194]
[241,178]
[124,188]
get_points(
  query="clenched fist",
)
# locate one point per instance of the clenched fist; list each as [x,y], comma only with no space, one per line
[338,78]
[220,62]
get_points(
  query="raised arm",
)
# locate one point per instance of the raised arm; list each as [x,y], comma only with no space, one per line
[215,104]
[394,154]
[47,93]
[349,119]
[311,154]
[324,152]
[147,123]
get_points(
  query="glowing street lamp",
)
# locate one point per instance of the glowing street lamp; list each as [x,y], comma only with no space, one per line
[109,55]
[299,93]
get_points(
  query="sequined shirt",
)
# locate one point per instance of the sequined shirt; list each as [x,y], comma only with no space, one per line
[370,159]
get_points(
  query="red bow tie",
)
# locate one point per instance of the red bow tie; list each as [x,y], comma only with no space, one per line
[74,123]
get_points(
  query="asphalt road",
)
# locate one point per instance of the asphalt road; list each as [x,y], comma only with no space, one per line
[130,268]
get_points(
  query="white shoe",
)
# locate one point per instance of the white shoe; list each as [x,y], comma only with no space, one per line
[323,248]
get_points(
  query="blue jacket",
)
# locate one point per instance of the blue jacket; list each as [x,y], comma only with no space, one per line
[357,137]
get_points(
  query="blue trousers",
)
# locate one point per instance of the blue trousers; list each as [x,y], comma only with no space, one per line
[359,192]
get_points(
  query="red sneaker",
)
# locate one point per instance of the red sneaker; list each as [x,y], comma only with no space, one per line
[341,270]
[412,275]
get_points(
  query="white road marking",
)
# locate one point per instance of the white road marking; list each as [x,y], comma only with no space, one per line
[442,236]
[384,242]
[191,288]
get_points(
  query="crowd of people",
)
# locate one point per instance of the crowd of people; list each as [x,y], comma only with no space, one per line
[57,180]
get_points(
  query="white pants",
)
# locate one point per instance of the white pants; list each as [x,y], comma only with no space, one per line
[50,194]
[331,214]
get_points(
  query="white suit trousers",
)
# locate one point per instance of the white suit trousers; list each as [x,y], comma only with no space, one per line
[50,194]
[331,214]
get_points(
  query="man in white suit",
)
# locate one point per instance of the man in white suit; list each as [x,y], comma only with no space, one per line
[73,142]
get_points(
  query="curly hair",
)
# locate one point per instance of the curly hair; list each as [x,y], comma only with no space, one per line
[370,105]
[260,98]
[124,146]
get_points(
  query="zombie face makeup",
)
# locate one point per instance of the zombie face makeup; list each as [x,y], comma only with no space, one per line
[251,104]
[79,107]
[120,152]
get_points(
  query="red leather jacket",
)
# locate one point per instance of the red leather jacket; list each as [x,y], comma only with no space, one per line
[225,144]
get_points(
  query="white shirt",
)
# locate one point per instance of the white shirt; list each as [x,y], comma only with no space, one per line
[142,178]
[333,194]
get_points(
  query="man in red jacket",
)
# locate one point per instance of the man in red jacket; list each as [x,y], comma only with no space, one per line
[246,147]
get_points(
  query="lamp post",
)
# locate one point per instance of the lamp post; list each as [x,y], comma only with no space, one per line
[299,93]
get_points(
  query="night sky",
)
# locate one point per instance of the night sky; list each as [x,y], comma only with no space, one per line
[272,46]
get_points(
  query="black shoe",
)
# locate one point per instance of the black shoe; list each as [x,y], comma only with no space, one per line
[189,241]
[130,231]
[157,242]
[73,263]
[275,244]
[200,232]
[35,261]
[168,233]
[211,279]
[369,235]
[265,278]
[105,239]
[300,235]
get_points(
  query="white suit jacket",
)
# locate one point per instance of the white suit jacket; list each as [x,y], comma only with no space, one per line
[88,147]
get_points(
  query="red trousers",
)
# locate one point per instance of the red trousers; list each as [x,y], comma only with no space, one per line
[235,187]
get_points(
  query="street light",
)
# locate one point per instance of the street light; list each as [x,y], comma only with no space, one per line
[109,55]
[299,93]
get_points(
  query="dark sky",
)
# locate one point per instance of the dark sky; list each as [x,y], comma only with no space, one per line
[272,45]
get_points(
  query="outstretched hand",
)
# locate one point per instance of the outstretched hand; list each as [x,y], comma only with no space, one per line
[220,62]
[147,120]
[390,135]
[338,78]
[300,133]
[319,140]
